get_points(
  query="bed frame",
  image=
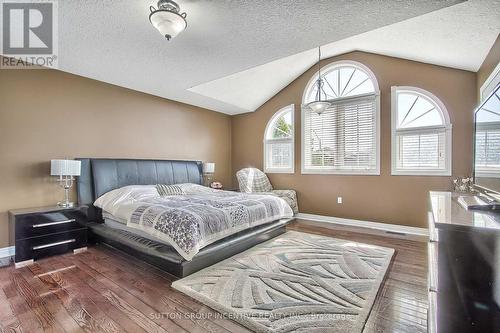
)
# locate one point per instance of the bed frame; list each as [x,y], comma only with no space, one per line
[99,176]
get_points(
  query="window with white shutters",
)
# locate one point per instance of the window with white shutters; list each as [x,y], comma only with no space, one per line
[488,150]
[279,142]
[343,139]
[487,147]
[421,133]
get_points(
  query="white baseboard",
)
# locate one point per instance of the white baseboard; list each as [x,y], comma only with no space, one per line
[385,227]
[7,251]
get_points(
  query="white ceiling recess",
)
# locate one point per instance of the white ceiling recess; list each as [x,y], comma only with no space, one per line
[251,88]
[113,41]
[458,36]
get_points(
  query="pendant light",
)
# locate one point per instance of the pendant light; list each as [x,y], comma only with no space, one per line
[167,19]
[319,106]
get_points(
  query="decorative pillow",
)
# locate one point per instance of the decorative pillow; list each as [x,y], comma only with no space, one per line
[253,180]
[165,190]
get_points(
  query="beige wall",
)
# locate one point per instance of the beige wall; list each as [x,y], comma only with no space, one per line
[489,64]
[384,198]
[47,114]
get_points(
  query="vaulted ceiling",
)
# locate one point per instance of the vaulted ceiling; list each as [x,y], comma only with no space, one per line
[235,55]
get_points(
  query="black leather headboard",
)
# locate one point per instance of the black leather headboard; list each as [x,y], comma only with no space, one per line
[99,175]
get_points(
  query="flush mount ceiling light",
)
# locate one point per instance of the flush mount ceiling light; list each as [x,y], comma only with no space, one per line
[167,19]
[319,106]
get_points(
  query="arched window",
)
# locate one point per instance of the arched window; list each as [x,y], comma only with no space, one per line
[344,139]
[421,133]
[279,142]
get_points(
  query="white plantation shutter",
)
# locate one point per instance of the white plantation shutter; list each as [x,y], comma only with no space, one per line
[279,154]
[421,151]
[487,149]
[342,139]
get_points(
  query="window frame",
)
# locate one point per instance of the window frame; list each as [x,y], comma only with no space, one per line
[276,115]
[446,128]
[375,94]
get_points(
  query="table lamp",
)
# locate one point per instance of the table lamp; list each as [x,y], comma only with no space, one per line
[208,171]
[65,170]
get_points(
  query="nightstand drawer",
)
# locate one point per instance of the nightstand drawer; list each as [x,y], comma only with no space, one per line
[38,247]
[40,224]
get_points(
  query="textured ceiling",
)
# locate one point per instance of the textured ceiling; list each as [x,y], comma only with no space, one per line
[113,41]
[459,36]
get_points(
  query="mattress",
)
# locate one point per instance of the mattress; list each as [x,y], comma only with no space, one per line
[116,223]
[113,218]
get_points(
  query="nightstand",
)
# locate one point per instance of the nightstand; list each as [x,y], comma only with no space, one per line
[46,231]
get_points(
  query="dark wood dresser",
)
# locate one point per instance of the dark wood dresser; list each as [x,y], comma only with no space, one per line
[464,267]
[40,232]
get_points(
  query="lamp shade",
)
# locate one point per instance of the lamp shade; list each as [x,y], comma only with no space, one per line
[208,167]
[168,23]
[319,106]
[65,168]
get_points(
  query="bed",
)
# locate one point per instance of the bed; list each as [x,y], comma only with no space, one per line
[103,176]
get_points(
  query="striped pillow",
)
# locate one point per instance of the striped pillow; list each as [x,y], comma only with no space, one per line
[165,190]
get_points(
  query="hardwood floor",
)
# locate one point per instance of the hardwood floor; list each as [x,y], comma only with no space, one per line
[104,290]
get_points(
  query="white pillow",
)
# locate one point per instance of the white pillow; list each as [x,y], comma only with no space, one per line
[111,200]
[190,188]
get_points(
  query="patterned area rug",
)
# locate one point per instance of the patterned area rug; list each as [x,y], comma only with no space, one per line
[296,282]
